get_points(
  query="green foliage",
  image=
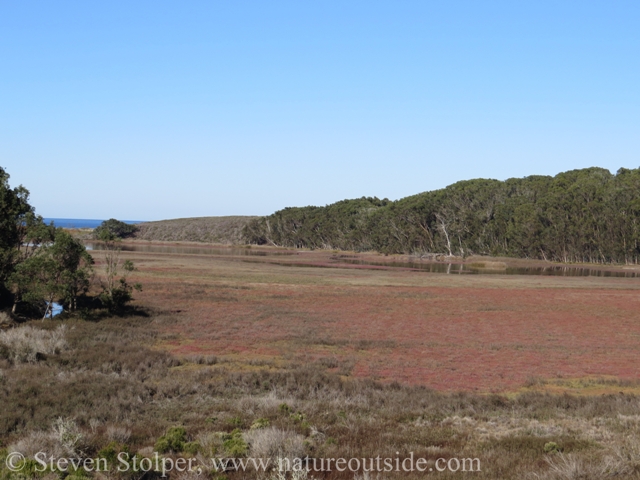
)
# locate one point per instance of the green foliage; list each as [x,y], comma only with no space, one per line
[235,422]
[297,417]
[234,444]
[584,215]
[22,232]
[551,447]
[191,447]
[173,441]
[38,263]
[115,229]
[58,272]
[110,452]
[260,423]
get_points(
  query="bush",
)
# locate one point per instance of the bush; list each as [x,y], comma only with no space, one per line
[68,434]
[260,423]
[28,344]
[235,445]
[118,434]
[551,447]
[175,441]
[64,439]
[275,443]
[191,447]
[115,228]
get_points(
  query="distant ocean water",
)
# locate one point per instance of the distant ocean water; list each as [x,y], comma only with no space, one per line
[80,222]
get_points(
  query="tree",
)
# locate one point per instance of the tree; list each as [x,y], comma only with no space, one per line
[14,206]
[116,289]
[22,232]
[586,215]
[58,272]
[116,228]
[75,264]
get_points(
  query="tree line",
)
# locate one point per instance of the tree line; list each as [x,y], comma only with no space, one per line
[587,215]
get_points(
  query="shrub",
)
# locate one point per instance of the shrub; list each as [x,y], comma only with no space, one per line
[173,441]
[273,443]
[118,434]
[64,439]
[39,441]
[551,447]
[234,444]
[297,417]
[116,228]
[235,422]
[28,344]
[68,434]
[191,447]
[260,423]
[111,451]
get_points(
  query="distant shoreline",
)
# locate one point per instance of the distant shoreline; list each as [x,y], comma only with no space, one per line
[81,222]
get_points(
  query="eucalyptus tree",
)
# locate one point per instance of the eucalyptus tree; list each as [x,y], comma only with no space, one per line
[57,272]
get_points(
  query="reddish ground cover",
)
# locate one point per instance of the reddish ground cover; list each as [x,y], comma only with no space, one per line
[449,332]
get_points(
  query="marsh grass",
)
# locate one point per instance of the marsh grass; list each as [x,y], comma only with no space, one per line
[271,357]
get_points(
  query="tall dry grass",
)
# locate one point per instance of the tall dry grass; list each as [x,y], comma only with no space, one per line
[25,344]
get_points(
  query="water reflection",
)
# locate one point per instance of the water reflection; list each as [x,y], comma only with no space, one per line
[337,261]
[459,268]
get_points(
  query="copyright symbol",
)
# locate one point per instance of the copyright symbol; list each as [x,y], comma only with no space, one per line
[15,461]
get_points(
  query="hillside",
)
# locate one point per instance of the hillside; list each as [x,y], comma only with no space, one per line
[588,215]
[222,230]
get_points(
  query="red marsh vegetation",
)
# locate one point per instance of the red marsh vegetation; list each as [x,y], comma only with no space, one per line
[485,333]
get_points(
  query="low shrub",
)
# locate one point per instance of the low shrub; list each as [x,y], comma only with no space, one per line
[260,423]
[28,344]
[173,441]
[274,443]
[234,444]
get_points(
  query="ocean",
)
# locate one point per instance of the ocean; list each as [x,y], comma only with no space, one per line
[80,222]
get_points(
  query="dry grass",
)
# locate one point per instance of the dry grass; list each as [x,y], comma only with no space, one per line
[219,230]
[28,344]
[5,320]
[275,443]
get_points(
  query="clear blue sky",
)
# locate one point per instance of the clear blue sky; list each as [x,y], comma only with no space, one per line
[152,110]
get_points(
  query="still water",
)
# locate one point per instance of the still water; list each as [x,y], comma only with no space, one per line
[457,268]
[338,261]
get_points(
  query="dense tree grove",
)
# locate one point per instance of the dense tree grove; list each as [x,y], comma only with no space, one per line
[587,215]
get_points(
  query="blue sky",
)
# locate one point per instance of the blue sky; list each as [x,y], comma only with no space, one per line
[152,110]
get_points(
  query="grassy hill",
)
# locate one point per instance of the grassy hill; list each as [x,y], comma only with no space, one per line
[224,230]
